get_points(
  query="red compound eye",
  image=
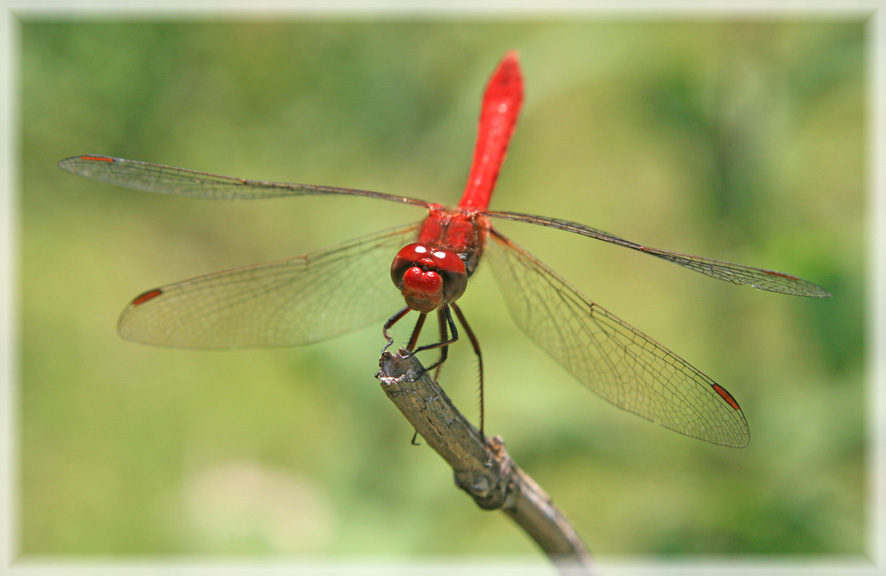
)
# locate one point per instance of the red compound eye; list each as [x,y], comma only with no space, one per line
[428,278]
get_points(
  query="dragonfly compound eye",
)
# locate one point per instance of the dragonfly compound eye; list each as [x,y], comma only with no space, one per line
[428,278]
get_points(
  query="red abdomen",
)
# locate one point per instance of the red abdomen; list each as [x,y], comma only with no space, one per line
[498,117]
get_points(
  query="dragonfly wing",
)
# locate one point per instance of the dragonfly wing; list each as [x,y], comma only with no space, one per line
[759,278]
[285,303]
[161,179]
[612,358]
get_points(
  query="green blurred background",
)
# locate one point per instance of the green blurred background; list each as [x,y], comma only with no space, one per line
[737,140]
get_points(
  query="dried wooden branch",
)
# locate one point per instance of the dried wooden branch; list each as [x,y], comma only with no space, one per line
[482,467]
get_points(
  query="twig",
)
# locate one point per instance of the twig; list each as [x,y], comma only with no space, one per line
[482,467]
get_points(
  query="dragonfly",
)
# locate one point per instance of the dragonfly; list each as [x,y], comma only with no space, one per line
[339,289]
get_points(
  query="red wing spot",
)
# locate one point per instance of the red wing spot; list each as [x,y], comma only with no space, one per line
[773,273]
[97,158]
[725,395]
[149,295]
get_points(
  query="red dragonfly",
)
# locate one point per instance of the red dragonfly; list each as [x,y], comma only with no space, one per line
[339,289]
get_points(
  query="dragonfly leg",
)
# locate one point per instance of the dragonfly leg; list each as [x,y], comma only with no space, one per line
[445,321]
[447,326]
[444,335]
[476,345]
[391,321]
[413,340]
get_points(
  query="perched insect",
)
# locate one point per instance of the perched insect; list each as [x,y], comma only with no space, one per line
[339,289]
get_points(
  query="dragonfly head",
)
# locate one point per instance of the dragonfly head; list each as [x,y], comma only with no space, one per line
[428,278]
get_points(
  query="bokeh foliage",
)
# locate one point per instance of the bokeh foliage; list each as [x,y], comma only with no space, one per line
[739,140]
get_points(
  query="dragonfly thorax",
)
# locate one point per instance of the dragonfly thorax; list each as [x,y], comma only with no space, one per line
[462,232]
[428,278]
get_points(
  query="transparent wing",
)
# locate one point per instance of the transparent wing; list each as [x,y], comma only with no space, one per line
[759,278]
[612,358]
[285,303]
[182,182]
